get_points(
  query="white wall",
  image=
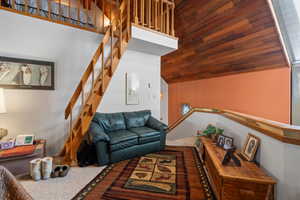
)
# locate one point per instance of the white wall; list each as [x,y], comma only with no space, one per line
[164,101]
[279,159]
[147,69]
[42,112]
[191,125]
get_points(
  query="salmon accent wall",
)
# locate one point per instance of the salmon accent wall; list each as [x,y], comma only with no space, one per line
[263,94]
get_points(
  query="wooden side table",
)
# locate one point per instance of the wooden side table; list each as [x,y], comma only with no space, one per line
[19,165]
[230,182]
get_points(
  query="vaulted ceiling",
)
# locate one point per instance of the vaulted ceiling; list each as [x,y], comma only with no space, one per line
[221,37]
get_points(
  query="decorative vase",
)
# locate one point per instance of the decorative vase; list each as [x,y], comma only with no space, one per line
[35,169]
[46,167]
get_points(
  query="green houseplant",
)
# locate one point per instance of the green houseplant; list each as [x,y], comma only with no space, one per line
[212,132]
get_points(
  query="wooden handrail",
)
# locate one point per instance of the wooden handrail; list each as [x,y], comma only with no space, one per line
[283,132]
[154,14]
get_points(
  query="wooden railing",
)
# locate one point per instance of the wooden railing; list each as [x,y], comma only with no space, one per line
[93,83]
[157,15]
[92,15]
[283,132]
[84,14]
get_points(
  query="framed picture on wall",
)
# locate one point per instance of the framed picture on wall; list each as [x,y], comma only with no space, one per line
[132,89]
[18,73]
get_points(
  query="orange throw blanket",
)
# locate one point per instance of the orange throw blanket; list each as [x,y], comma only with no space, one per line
[17,151]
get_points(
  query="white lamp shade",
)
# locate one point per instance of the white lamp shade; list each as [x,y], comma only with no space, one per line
[2,101]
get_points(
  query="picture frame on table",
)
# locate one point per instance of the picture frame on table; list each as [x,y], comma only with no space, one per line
[250,147]
[221,140]
[225,142]
[228,144]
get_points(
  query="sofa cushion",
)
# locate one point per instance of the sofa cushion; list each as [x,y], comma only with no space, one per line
[122,139]
[110,121]
[136,119]
[146,134]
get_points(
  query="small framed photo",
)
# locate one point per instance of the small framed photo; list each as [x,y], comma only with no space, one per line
[225,142]
[221,141]
[228,144]
[250,147]
[22,140]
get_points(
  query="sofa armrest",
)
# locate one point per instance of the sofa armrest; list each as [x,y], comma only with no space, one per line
[97,133]
[155,124]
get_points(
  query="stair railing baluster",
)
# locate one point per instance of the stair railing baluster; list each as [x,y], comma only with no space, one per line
[87,12]
[172,18]
[129,19]
[111,39]
[38,7]
[82,96]
[136,15]
[121,34]
[26,5]
[102,69]
[93,74]
[71,131]
[156,15]
[102,16]
[69,10]
[143,12]
[149,13]
[95,13]
[161,16]
[59,10]
[167,18]
[13,4]
[49,9]
[78,12]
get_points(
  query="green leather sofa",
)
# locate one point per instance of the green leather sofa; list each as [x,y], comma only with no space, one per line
[121,136]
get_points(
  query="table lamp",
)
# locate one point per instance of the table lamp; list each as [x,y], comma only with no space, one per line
[3,132]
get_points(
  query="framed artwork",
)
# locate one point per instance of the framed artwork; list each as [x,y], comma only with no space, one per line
[18,73]
[185,108]
[132,89]
[250,147]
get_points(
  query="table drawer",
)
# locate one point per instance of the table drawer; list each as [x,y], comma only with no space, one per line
[246,190]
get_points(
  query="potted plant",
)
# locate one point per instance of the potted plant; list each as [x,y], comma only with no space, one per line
[212,132]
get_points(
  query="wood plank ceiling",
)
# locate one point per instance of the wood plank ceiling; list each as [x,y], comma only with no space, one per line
[221,37]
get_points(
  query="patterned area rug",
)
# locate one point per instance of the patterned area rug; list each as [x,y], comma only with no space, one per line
[155,173]
[173,174]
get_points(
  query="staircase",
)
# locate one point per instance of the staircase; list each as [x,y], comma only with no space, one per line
[108,55]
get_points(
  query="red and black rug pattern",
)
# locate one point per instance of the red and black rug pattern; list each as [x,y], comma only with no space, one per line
[175,173]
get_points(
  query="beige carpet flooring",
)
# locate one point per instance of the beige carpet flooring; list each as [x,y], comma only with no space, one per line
[67,187]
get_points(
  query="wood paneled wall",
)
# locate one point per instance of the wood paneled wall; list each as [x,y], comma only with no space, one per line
[221,37]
